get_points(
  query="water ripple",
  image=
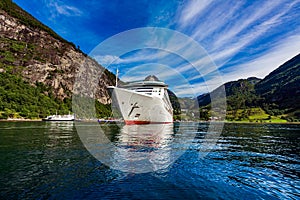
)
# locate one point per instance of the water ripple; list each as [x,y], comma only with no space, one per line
[48,161]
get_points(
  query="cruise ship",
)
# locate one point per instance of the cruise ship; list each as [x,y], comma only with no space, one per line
[143,102]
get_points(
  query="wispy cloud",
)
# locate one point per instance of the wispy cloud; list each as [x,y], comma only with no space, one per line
[195,89]
[106,60]
[259,67]
[227,29]
[267,62]
[215,21]
[192,10]
[231,33]
[243,38]
[58,8]
[244,20]
[141,71]
[67,10]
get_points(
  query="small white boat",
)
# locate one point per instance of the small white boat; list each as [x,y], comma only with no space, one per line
[144,102]
[69,117]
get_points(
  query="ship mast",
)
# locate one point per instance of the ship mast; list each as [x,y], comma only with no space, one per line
[117,77]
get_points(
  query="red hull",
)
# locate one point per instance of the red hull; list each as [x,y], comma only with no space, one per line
[137,122]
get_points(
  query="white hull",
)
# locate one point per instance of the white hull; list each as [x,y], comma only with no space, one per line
[137,108]
[60,118]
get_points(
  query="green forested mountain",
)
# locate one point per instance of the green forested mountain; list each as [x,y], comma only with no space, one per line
[278,94]
[240,94]
[20,99]
[282,86]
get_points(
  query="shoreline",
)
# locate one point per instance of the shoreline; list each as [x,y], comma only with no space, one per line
[20,120]
[238,122]
[226,122]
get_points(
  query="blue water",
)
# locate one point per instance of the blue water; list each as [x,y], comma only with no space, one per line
[42,160]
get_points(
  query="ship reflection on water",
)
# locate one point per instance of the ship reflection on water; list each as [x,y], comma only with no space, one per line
[59,133]
[144,148]
[135,148]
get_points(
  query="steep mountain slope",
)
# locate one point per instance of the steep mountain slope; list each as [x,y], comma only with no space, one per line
[277,93]
[240,94]
[33,52]
[282,86]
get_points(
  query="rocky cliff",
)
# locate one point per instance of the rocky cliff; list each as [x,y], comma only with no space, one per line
[34,52]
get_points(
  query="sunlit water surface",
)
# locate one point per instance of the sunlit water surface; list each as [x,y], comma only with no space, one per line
[43,160]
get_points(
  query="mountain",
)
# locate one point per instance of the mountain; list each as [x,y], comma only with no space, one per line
[240,94]
[277,94]
[282,86]
[42,65]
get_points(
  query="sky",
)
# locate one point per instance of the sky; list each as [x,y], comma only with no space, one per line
[237,39]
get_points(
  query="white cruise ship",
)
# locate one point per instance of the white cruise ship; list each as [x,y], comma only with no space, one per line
[144,102]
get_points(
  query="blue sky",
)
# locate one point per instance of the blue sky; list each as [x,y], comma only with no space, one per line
[242,38]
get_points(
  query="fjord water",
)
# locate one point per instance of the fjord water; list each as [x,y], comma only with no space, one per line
[44,160]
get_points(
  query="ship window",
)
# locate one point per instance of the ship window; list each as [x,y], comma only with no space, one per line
[145,88]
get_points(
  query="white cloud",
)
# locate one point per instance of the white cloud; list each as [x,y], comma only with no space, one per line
[193,9]
[259,67]
[249,16]
[229,44]
[222,14]
[67,10]
[145,56]
[266,63]
[59,8]
[194,90]
[230,27]
[107,60]
[140,56]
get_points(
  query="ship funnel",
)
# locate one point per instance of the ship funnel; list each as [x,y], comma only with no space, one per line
[151,78]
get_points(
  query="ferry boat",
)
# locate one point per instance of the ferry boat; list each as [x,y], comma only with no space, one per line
[69,117]
[143,102]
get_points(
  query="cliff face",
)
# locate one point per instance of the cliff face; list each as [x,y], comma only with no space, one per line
[39,56]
